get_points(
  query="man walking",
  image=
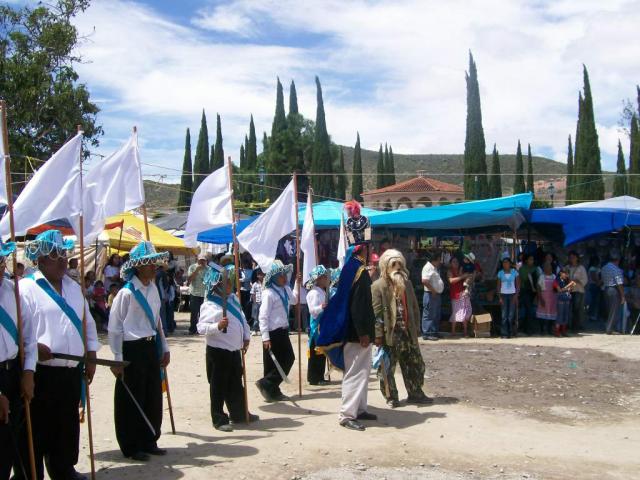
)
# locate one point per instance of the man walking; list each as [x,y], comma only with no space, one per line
[613,286]
[195,276]
[432,302]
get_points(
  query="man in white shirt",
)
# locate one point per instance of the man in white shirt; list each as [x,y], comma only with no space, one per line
[431,303]
[317,286]
[16,380]
[135,335]
[277,297]
[55,306]
[223,323]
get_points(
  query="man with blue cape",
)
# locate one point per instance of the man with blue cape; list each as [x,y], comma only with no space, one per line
[348,325]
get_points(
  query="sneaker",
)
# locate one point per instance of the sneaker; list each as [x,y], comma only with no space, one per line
[393,403]
[353,425]
[224,428]
[420,400]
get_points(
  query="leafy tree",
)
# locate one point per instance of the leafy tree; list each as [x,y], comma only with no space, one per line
[530,186]
[341,178]
[620,182]
[186,179]
[570,171]
[252,151]
[45,99]
[381,180]
[495,181]
[518,182]
[391,168]
[322,160]
[201,162]
[356,179]
[293,99]
[276,161]
[217,160]
[634,158]
[475,157]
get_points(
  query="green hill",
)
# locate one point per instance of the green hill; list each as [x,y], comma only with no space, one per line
[161,197]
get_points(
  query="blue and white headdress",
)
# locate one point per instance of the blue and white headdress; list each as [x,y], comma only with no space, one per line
[142,254]
[46,243]
[316,273]
[277,268]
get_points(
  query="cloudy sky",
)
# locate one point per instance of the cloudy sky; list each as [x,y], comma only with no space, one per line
[392,70]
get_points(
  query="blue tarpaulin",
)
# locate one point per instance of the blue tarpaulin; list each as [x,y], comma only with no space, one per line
[224,235]
[327,214]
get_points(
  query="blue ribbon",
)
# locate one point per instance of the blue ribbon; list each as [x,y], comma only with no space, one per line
[284,298]
[62,303]
[142,301]
[232,306]
[7,322]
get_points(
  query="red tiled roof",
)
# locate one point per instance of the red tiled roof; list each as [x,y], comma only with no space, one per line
[419,184]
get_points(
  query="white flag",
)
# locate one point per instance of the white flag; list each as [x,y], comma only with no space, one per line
[308,242]
[210,206]
[111,187]
[342,244]
[261,238]
[54,192]
[3,184]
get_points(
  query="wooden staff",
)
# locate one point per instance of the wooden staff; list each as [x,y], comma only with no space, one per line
[160,330]
[16,288]
[121,230]
[298,278]
[84,325]
[236,259]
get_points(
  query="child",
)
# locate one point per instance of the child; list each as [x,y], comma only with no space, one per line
[317,285]
[227,335]
[99,296]
[547,299]
[256,300]
[508,285]
[563,286]
[468,266]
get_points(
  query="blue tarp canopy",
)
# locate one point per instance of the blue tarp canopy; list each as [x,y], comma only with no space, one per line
[587,220]
[494,212]
[327,214]
[224,235]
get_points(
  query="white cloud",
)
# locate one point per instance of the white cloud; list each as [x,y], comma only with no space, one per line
[392,70]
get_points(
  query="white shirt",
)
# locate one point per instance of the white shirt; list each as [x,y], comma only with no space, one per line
[272,312]
[316,298]
[237,331]
[8,347]
[110,271]
[432,275]
[53,327]
[129,322]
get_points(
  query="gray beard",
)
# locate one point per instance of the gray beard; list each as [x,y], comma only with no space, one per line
[398,280]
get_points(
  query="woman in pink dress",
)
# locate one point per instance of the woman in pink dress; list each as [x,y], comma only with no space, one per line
[547,301]
[460,301]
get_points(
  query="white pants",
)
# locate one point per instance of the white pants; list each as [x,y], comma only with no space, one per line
[357,365]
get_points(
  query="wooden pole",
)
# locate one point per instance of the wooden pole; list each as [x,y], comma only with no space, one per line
[120,239]
[236,259]
[84,327]
[298,278]
[147,236]
[16,288]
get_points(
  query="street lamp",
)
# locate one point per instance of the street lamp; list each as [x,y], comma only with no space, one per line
[551,190]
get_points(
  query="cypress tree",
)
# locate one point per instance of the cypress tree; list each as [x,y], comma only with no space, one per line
[201,161]
[186,179]
[475,157]
[322,161]
[634,158]
[276,161]
[518,181]
[280,117]
[495,181]
[251,151]
[293,99]
[530,186]
[381,178]
[341,178]
[570,176]
[356,179]
[391,168]
[243,161]
[620,182]
[386,166]
[587,149]
[217,160]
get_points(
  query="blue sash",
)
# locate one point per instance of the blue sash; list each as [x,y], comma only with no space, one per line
[7,322]
[62,303]
[284,298]
[232,306]
[142,301]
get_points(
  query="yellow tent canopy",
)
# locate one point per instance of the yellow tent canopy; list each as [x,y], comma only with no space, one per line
[133,233]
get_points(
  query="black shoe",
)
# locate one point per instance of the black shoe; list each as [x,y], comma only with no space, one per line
[252,418]
[367,416]
[280,397]
[139,457]
[224,428]
[353,425]
[160,452]
[320,383]
[420,400]
[265,394]
[77,476]
[393,403]
[433,338]
[424,337]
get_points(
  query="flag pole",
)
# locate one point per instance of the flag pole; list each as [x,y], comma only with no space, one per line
[236,259]
[16,288]
[84,325]
[160,330]
[298,279]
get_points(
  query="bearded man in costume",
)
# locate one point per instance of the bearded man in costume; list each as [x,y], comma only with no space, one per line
[397,326]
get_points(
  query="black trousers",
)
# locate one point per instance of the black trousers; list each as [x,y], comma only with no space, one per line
[142,376]
[245,301]
[577,311]
[283,351]
[315,365]
[194,306]
[11,434]
[224,372]
[55,422]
